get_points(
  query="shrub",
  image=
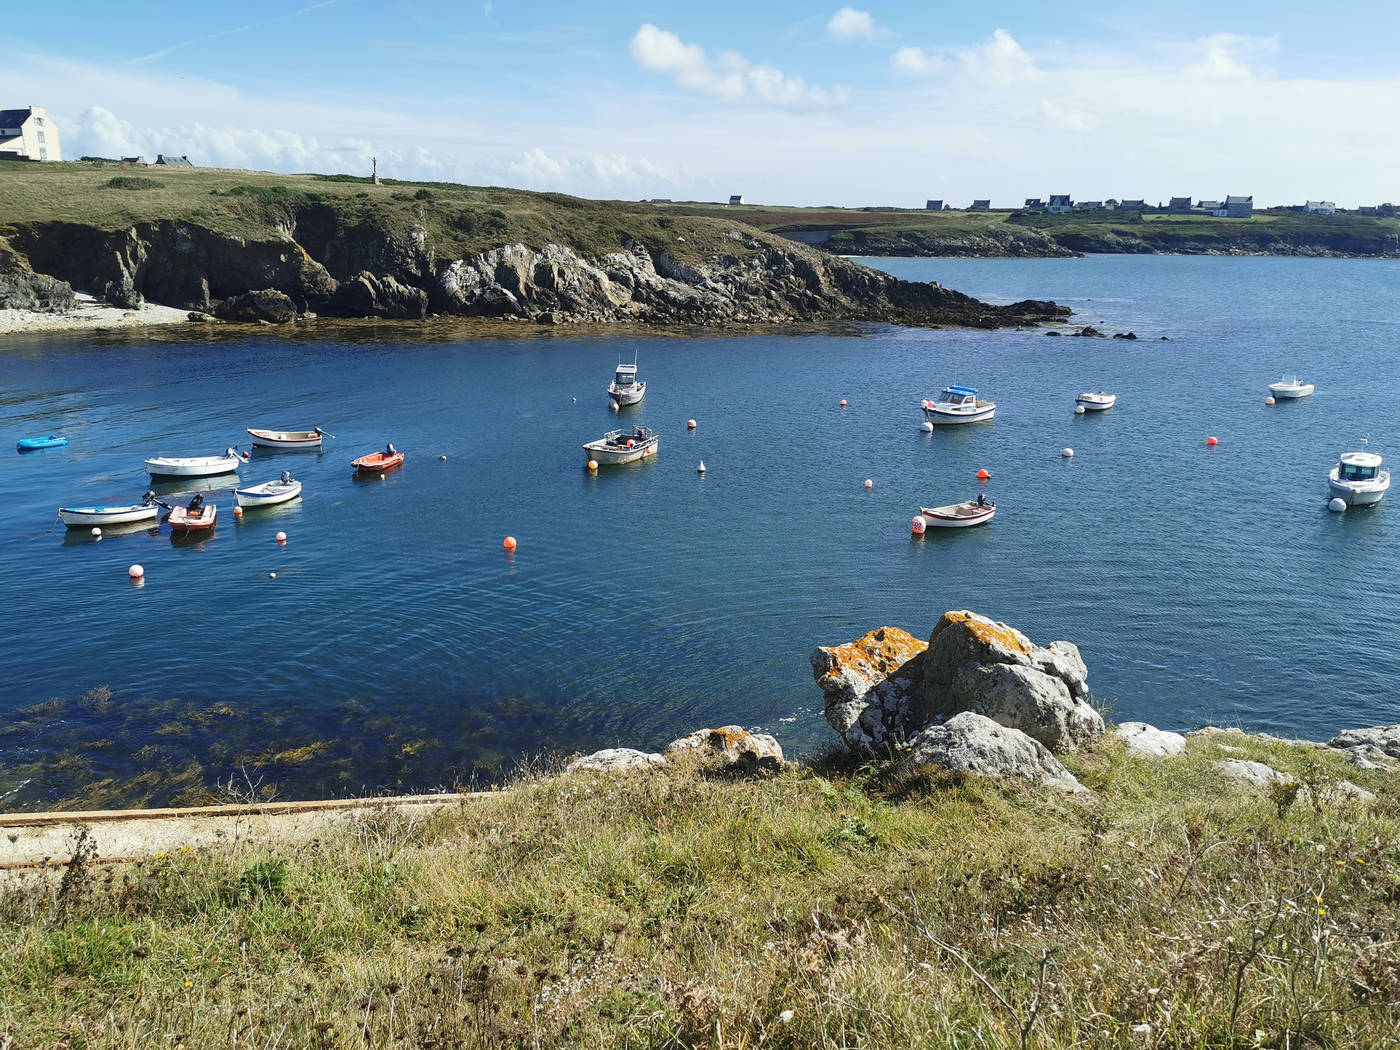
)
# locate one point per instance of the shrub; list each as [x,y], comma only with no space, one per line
[133,182]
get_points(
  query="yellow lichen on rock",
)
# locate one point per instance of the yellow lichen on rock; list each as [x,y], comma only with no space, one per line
[884,649]
[982,629]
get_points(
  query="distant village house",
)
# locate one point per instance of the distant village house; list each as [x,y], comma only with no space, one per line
[28,134]
[1239,207]
[1034,204]
[1179,205]
[737,198]
[980,205]
[1133,205]
[171,161]
[933,206]
[1059,203]
[1320,208]
[1089,206]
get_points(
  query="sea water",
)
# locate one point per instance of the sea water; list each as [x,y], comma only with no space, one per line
[399,646]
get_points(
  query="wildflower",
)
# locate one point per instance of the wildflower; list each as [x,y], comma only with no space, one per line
[1322,911]
[189,984]
[1341,864]
[1358,860]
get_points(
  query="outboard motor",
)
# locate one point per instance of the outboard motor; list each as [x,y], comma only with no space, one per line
[286,477]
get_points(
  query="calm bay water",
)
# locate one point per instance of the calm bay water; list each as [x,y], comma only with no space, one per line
[401,647]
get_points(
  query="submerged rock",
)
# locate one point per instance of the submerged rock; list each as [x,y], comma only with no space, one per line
[973,743]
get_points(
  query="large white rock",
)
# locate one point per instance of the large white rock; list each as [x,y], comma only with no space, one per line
[736,745]
[1032,701]
[1371,743]
[1144,739]
[973,743]
[614,760]
[1256,773]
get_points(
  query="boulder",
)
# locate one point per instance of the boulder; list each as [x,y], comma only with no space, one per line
[1373,742]
[614,760]
[368,295]
[882,689]
[973,743]
[21,290]
[1143,739]
[266,305]
[122,292]
[1260,775]
[741,750]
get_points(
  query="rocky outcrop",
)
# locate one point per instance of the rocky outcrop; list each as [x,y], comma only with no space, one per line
[23,289]
[739,749]
[324,262]
[972,743]
[1143,739]
[267,305]
[1374,748]
[883,689]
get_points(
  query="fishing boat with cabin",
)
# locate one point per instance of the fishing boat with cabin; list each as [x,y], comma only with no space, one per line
[957,404]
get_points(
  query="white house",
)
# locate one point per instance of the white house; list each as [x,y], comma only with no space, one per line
[736,198]
[28,134]
[1059,203]
[1320,208]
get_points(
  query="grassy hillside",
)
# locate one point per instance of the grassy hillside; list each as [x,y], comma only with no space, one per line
[460,220]
[837,905]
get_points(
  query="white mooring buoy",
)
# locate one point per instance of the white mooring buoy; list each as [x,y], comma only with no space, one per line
[926,427]
[1336,505]
[1068,453]
[701,468]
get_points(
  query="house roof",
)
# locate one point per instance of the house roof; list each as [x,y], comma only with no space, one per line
[986,200]
[1181,200]
[1132,204]
[170,160]
[13,118]
[1240,200]
[1032,202]
[1059,198]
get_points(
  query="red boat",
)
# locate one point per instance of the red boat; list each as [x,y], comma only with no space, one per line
[378,462]
[194,518]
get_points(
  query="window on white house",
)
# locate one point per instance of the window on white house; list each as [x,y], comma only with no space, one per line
[41,136]
[43,153]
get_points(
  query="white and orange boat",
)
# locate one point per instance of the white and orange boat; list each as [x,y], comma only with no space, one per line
[378,462]
[958,515]
[194,518]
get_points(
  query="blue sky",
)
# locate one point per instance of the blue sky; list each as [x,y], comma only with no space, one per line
[786,102]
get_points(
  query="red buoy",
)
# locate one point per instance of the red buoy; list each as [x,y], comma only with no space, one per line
[983,475]
[1212,442]
[843,402]
[508,543]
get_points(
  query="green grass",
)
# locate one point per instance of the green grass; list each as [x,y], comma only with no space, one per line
[459,220]
[836,905]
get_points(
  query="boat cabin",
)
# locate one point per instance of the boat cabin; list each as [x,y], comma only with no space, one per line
[626,375]
[1358,466]
[958,396]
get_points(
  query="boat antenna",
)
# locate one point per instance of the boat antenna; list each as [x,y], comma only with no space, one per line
[1365,439]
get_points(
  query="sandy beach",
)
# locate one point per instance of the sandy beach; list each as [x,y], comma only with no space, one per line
[89,314]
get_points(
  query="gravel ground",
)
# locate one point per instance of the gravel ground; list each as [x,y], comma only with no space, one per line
[89,314]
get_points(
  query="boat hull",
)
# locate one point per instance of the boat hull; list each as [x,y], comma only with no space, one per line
[305,439]
[1290,393]
[81,517]
[939,417]
[624,396]
[267,495]
[34,444]
[956,515]
[1096,402]
[192,467]
[377,462]
[1364,494]
[612,455]
[181,521]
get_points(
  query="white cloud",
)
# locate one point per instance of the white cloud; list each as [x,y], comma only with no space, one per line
[850,24]
[916,61]
[729,76]
[1230,56]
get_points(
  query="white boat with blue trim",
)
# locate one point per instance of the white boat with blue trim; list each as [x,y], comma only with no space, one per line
[958,404]
[127,514]
[1290,388]
[269,493]
[1096,401]
[194,466]
[1358,479]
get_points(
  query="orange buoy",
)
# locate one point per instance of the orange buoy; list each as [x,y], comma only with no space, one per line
[238,512]
[1212,442]
[983,475]
[630,442]
[592,464]
[918,525]
[508,543]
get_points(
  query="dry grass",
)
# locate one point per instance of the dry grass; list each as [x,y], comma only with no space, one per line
[836,905]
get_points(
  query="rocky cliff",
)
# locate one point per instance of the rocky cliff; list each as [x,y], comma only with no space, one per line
[313,262]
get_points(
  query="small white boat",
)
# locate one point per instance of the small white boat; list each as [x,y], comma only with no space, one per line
[287,438]
[269,493]
[624,389]
[81,517]
[196,517]
[958,404]
[194,466]
[623,446]
[1290,387]
[1096,402]
[958,515]
[1358,479]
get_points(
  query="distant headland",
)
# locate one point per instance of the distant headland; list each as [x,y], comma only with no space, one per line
[259,247]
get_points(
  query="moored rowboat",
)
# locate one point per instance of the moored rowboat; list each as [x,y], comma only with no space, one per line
[51,441]
[287,438]
[957,515]
[378,462]
[193,466]
[81,517]
[194,518]
[268,493]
